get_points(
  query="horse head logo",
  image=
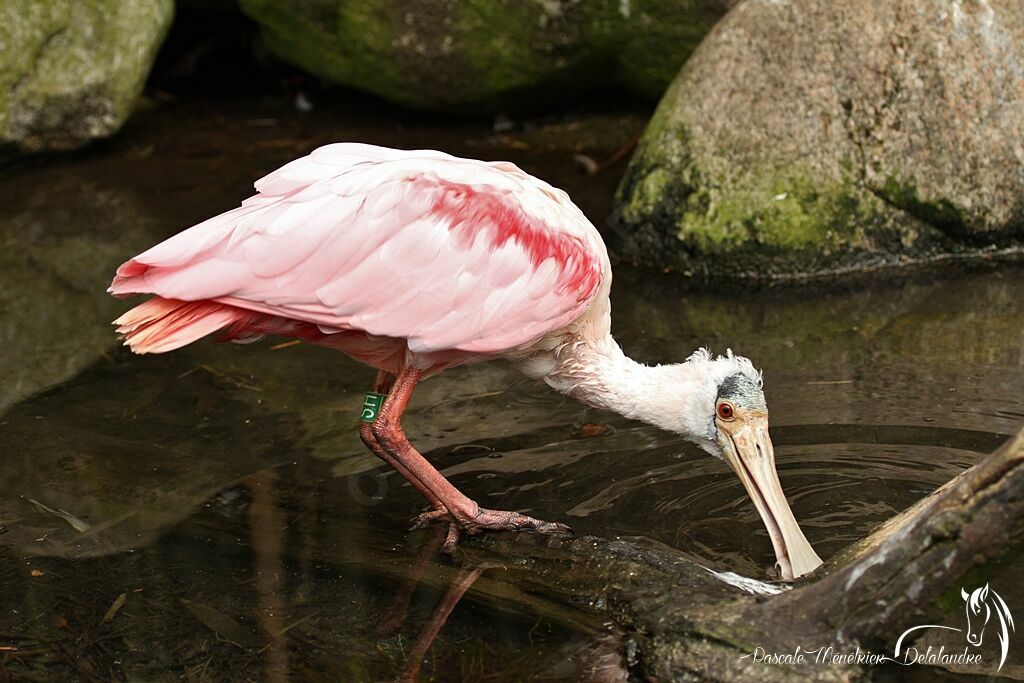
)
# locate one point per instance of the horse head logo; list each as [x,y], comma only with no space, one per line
[976,606]
[980,605]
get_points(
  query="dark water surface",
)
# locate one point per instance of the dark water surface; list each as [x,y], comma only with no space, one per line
[211,515]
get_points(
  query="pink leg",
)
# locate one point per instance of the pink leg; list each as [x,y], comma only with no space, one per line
[381,386]
[464,512]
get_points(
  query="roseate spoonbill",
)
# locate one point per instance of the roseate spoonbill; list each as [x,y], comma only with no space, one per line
[413,262]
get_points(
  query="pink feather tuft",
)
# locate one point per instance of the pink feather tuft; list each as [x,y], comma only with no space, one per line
[160,325]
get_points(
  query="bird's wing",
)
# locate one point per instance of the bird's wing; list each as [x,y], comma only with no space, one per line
[447,253]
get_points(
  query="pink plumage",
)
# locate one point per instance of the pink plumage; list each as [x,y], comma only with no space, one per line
[376,252]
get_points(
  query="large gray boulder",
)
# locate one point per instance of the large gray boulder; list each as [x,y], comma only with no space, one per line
[486,54]
[809,136]
[71,70]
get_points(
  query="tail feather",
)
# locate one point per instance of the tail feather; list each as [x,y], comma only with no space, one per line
[160,325]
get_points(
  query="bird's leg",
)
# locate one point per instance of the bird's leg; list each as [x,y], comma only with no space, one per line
[469,517]
[383,381]
[381,385]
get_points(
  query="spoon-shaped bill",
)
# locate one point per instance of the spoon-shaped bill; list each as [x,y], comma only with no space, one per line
[748,450]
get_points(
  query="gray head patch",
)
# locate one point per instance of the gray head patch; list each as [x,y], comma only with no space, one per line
[742,391]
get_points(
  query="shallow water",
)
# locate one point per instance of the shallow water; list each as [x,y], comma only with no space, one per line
[222,490]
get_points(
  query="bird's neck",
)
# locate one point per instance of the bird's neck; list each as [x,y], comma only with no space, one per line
[598,373]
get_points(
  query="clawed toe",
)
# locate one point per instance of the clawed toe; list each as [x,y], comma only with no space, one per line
[556,528]
[424,518]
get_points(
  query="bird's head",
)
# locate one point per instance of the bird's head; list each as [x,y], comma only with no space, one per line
[728,417]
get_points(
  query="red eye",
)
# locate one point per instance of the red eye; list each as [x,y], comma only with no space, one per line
[725,411]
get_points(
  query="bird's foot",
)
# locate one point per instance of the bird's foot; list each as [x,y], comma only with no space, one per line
[486,520]
[504,520]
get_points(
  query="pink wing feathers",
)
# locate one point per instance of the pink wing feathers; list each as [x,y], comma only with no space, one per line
[447,253]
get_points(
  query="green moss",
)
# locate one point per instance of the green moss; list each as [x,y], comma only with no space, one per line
[341,42]
[662,177]
[790,213]
[497,40]
[650,191]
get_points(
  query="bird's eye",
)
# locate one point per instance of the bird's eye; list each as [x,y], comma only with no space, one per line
[725,410]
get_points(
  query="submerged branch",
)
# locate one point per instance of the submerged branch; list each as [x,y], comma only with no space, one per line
[691,622]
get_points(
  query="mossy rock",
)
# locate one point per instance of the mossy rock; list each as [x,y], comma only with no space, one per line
[71,70]
[486,55]
[816,136]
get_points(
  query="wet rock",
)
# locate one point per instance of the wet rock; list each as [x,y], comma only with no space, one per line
[447,54]
[71,70]
[813,136]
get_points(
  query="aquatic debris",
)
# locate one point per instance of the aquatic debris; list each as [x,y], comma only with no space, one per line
[224,626]
[591,430]
[103,526]
[76,524]
[621,153]
[232,378]
[115,608]
[586,163]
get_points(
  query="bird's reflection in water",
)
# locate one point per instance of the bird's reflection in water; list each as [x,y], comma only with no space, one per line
[462,582]
[399,608]
[600,661]
[396,613]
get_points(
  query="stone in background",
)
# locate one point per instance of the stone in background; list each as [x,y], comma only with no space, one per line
[813,136]
[71,70]
[487,54]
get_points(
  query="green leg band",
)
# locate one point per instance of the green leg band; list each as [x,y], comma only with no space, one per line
[371,406]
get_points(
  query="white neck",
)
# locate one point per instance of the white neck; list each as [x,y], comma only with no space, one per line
[678,398]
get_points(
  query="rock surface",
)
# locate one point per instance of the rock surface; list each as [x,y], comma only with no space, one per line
[811,136]
[71,70]
[485,54]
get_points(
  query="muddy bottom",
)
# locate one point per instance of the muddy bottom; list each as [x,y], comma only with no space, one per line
[211,514]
